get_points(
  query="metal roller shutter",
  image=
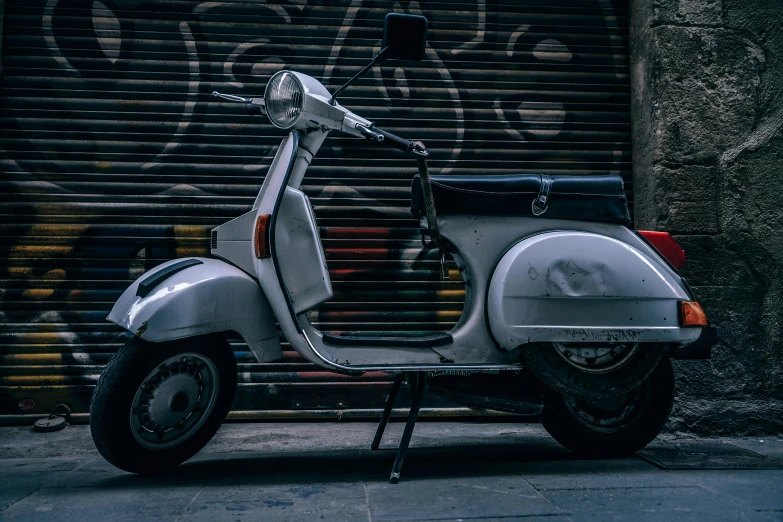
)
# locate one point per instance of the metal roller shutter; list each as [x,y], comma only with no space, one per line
[115,158]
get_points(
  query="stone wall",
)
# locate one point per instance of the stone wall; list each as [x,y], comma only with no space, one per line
[707,111]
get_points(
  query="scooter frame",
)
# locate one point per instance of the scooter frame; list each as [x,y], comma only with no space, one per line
[481,340]
[246,292]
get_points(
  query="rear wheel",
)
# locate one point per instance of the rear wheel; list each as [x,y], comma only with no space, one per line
[157,404]
[594,371]
[615,427]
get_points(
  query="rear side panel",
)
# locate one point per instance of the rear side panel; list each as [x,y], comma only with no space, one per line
[573,286]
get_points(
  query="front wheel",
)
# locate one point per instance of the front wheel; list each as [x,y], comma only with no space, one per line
[157,404]
[616,427]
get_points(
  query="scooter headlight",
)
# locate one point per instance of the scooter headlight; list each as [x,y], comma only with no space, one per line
[284,98]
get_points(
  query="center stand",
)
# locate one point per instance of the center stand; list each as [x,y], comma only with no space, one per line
[417,381]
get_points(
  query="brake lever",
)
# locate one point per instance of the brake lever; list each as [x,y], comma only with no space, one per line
[232,98]
[420,150]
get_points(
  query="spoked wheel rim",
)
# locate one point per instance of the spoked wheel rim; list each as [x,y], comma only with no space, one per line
[597,358]
[611,415]
[174,401]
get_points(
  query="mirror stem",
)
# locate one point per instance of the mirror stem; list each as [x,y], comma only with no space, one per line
[381,56]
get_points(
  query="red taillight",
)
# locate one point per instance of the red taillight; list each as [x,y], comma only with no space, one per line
[261,239]
[666,246]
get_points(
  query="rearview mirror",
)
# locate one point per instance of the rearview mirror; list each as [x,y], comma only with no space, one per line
[404,37]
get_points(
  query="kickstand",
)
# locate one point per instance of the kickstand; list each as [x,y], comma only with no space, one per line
[387,409]
[417,382]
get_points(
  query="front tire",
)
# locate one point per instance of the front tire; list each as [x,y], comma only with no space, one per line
[157,404]
[612,428]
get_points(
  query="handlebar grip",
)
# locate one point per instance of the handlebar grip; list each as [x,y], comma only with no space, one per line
[395,141]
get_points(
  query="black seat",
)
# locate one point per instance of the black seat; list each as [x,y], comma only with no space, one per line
[587,198]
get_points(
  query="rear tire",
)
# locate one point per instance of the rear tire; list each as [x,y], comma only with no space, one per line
[157,404]
[613,370]
[612,428]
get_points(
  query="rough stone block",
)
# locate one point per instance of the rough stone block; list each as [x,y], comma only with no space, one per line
[697,12]
[744,362]
[683,217]
[680,200]
[710,262]
[686,183]
[742,415]
[761,20]
[751,206]
[704,95]
[734,310]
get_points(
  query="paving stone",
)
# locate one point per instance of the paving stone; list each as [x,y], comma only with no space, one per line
[22,477]
[365,465]
[303,492]
[14,488]
[276,510]
[131,503]
[581,474]
[99,473]
[654,504]
[23,442]
[277,438]
[522,437]
[302,501]
[18,466]
[296,468]
[769,447]
[484,497]
[544,518]
[761,490]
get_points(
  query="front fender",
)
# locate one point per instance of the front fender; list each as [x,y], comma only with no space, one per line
[211,296]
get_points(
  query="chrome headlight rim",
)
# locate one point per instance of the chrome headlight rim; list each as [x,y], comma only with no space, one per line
[271,101]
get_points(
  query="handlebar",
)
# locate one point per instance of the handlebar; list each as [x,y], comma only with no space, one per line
[371,133]
[366,128]
[395,141]
[406,146]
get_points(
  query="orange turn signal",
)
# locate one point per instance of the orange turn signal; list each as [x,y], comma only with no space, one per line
[261,239]
[691,314]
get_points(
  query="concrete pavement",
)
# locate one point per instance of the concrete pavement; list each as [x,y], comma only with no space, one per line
[325,471]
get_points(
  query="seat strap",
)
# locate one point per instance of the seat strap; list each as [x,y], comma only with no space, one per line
[429,200]
[541,203]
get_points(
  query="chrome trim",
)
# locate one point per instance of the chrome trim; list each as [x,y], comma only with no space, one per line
[407,367]
[293,135]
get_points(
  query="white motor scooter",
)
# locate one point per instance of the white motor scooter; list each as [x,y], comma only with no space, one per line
[569,314]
